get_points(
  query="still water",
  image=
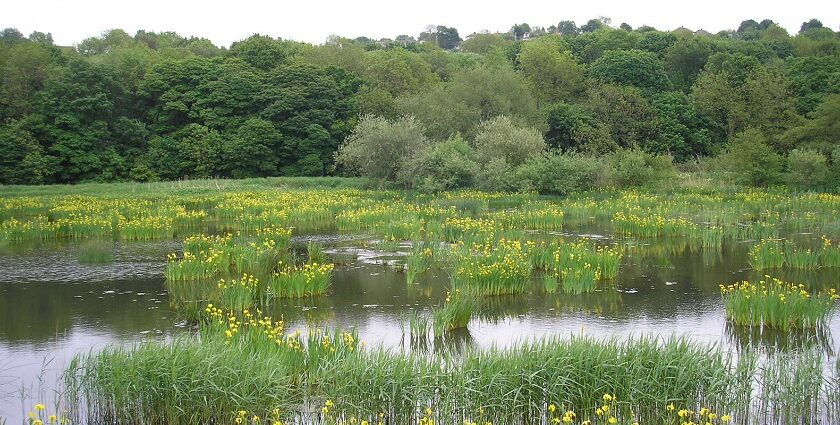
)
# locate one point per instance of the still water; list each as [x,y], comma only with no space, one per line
[54,304]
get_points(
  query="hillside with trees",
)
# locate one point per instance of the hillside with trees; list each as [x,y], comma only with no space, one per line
[553,110]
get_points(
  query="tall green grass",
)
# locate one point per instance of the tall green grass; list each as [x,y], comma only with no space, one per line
[185,381]
[776,304]
[767,254]
[456,312]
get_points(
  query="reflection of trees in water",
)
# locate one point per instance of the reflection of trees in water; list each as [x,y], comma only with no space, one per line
[774,341]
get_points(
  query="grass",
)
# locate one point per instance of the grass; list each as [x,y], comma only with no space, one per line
[767,254]
[491,269]
[297,282]
[777,304]
[456,312]
[248,369]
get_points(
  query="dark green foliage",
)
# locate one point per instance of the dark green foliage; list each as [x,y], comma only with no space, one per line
[633,68]
[157,105]
[749,160]
[634,167]
[807,169]
[572,127]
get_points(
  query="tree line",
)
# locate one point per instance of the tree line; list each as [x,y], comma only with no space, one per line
[156,106]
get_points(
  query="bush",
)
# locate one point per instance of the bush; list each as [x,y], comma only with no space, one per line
[634,167]
[562,173]
[379,148]
[749,160]
[446,165]
[807,169]
[499,138]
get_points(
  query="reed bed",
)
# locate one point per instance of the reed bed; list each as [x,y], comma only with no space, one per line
[491,269]
[777,304]
[290,281]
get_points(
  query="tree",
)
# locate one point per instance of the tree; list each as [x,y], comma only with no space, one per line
[685,60]
[749,160]
[251,151]
[626,113]
[443,166]
[519,31]
[379,148]
[809,25]
[483,43]
[263,52]
[472,96]
[592,25]
[633,68]
[555,74]
[568,28]
[812,79]
[821,131]
[807,169]
[500,138]
[447,38]
[399,71]
[22,158]
[573,128]
[25,73]
[682,132]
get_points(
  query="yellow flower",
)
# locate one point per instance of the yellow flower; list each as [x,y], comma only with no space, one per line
[607,397]
[242,413]
[552,408]
[725,418]
[39,407]
[612,420]
[325,410]
[53,418]
[671,407]
[364,422]
[238,420]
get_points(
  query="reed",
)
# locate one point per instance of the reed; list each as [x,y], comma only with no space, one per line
[238,294]
[801,258]
[297,282]
[777,304]
[491,269]
[328,377]
[456,312]
[767,254]
[829,253]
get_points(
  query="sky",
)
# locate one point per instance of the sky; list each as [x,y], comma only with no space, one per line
[223,22]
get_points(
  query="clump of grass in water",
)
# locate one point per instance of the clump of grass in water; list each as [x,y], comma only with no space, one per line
[238,294]
[776,304]
[298,282]
[418,262]
[799,258]
[249,370]
[315,253]
[492,268]
[456,312]
[766,254]
[829,253]
[96,252]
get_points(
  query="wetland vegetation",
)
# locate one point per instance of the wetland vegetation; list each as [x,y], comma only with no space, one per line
[245,253]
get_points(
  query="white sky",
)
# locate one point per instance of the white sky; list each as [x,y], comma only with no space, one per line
[71,21]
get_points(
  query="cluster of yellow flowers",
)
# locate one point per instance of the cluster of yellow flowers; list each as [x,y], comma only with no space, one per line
[704,416]
[247,281]
[39,417]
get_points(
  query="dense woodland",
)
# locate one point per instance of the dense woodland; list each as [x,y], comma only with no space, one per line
[547,109]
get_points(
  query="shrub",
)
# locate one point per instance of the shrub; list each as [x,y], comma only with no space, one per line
[807,169]
[378,148]
[634,167]
[749,160]
[562,173]
[446,165]
[501,138]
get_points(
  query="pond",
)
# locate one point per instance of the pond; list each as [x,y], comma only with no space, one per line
[56,302]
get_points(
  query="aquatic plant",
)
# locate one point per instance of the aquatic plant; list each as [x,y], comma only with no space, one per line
[777,304]
[290,281]
[767,254]
[456,311]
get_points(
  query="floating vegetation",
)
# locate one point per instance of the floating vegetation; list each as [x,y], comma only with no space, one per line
[492,268]
[777,304]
